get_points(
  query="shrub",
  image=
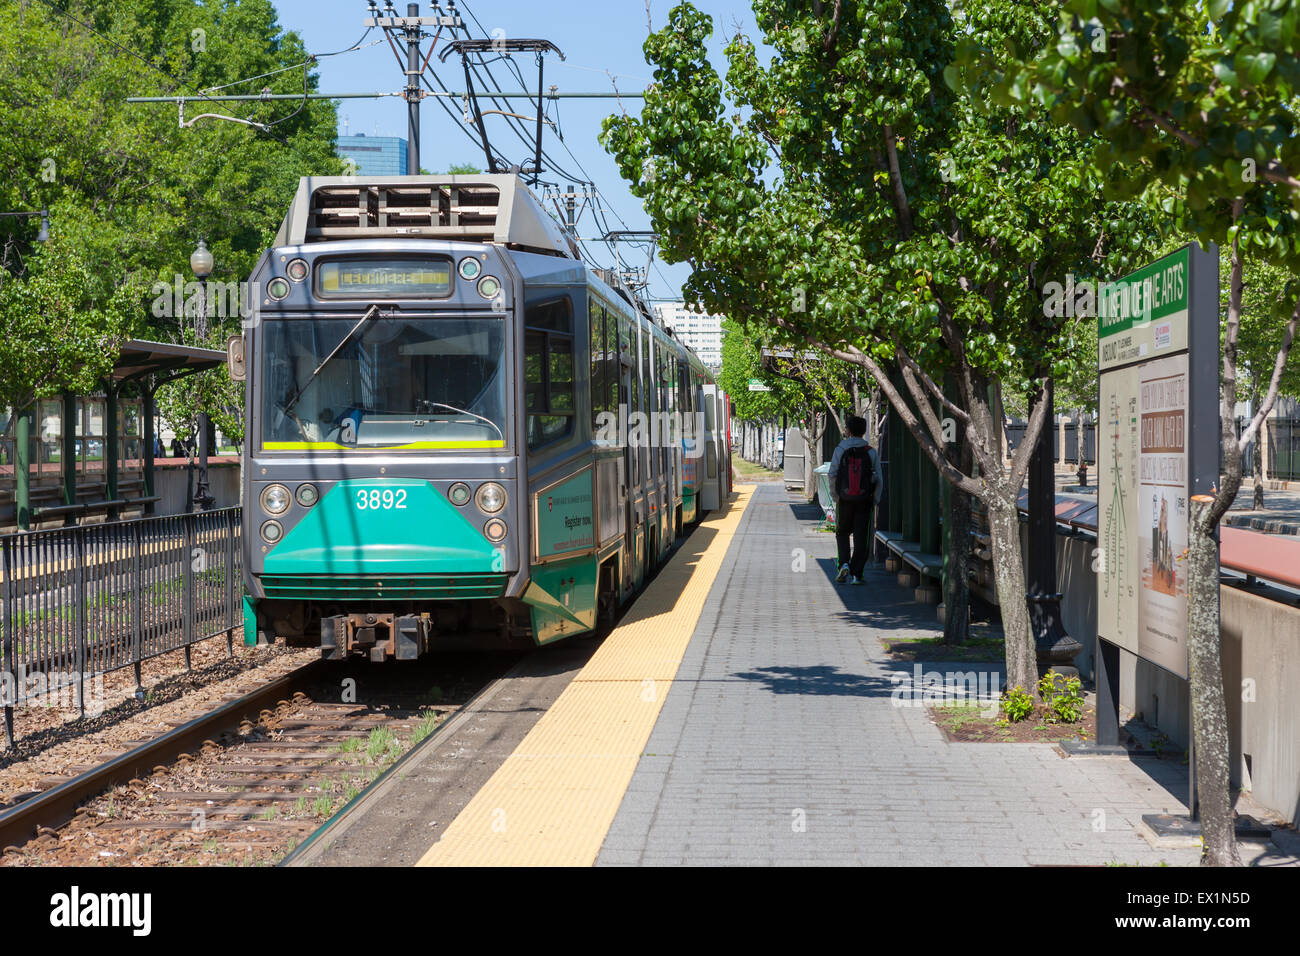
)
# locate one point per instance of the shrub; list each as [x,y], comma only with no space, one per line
[1062,696]
[1017,704]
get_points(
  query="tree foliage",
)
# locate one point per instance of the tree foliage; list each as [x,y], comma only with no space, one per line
[129,192]
[1193,99]
[856,195]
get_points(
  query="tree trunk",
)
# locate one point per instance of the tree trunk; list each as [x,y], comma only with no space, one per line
[1209,708]
[956,590]
[1009,573]
[1258,469]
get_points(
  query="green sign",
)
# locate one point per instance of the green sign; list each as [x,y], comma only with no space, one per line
[1157,445]
[564,516]
[756,385]
[1145,313]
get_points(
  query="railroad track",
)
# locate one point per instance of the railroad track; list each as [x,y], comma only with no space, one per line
[246,782]
[309,850]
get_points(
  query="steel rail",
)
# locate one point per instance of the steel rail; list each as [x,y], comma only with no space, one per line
[56,806]
[306,852]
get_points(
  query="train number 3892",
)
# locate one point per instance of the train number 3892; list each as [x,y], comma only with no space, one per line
[372,499]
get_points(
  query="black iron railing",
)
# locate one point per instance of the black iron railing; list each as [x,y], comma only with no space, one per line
[77,603]
[1284,449]
[1016,434]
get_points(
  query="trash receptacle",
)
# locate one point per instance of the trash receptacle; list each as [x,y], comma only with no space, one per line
[823,479]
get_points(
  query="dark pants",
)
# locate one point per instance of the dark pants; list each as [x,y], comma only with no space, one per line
[853,519]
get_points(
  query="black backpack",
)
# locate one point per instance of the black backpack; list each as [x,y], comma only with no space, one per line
[855,480]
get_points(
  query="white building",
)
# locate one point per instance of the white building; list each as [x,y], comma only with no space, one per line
[701,332]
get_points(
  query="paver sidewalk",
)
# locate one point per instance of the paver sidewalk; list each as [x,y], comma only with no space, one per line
[780,743]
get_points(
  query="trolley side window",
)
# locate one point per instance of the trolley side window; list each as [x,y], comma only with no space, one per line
[548,371]
[596,330]
[612,369]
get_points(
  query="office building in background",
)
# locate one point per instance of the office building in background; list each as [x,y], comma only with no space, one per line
[701,332]
[374,155]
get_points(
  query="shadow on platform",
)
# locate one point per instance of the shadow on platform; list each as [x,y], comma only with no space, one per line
[819,680]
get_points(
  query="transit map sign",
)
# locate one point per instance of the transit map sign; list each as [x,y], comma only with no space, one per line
[1157,356]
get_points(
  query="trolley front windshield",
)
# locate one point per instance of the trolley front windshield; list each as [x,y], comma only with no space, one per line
[392,383]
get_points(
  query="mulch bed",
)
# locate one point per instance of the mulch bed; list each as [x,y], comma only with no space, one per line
[965,724]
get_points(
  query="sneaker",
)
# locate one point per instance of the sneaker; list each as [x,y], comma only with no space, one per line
[843,575]
[855,580]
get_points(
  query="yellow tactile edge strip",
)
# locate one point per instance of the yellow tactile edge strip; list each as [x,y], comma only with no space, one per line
[553,800]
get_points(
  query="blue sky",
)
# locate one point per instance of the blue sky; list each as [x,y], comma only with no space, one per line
[594,37]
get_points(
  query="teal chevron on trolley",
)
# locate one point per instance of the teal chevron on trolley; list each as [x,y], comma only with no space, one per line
[458,432]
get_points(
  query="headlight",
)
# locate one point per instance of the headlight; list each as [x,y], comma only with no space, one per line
[495,530]
[272,532]
[277,288]
[489,287]
[275,499]
[459,493]
[490,498]
[297,269]
[470,268]
[307,495]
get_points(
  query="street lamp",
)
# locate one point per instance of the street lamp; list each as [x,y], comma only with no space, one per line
[202,262]
[44,234]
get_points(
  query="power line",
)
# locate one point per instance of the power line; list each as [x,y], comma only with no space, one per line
[154,66]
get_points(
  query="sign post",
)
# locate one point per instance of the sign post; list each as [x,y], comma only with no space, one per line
[1157,446]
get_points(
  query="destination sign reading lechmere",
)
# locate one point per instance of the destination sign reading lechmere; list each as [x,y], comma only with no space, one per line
[414,278]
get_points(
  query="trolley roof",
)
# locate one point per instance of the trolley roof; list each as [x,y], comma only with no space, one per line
[484,207]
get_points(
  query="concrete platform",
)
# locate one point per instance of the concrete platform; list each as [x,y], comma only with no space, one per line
[746,714]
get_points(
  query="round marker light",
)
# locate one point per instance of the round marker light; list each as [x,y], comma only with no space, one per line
[459,493]
[277,288]
[495,530]
[490,498]
[470,268]
[307,495]
[272,532]
[297,270]
[275,499]
[489,287]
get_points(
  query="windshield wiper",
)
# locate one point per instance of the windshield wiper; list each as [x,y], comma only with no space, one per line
[461,411]
[370,314]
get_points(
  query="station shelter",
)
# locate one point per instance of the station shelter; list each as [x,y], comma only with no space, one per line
[75,457]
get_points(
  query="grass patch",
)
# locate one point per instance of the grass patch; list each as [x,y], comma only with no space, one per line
[428,721]
[382,745]
[984,646]
[748,469]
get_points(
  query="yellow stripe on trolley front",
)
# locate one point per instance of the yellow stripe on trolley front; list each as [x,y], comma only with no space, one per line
[416,445]
[553,800]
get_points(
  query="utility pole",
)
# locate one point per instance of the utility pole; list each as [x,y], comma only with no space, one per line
[413,92]
[411,29]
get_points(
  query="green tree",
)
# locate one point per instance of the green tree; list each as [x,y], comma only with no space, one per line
[56,336]
[807,387]
[130,192]
[1195,99]
[859,203]
[1259,337]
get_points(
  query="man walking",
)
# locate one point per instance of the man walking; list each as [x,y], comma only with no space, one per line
[856,483]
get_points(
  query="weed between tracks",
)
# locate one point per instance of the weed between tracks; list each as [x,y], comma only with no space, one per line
[249,798]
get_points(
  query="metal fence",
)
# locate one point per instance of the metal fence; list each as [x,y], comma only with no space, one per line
[1016,434]
[77,603]
[1284,449]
